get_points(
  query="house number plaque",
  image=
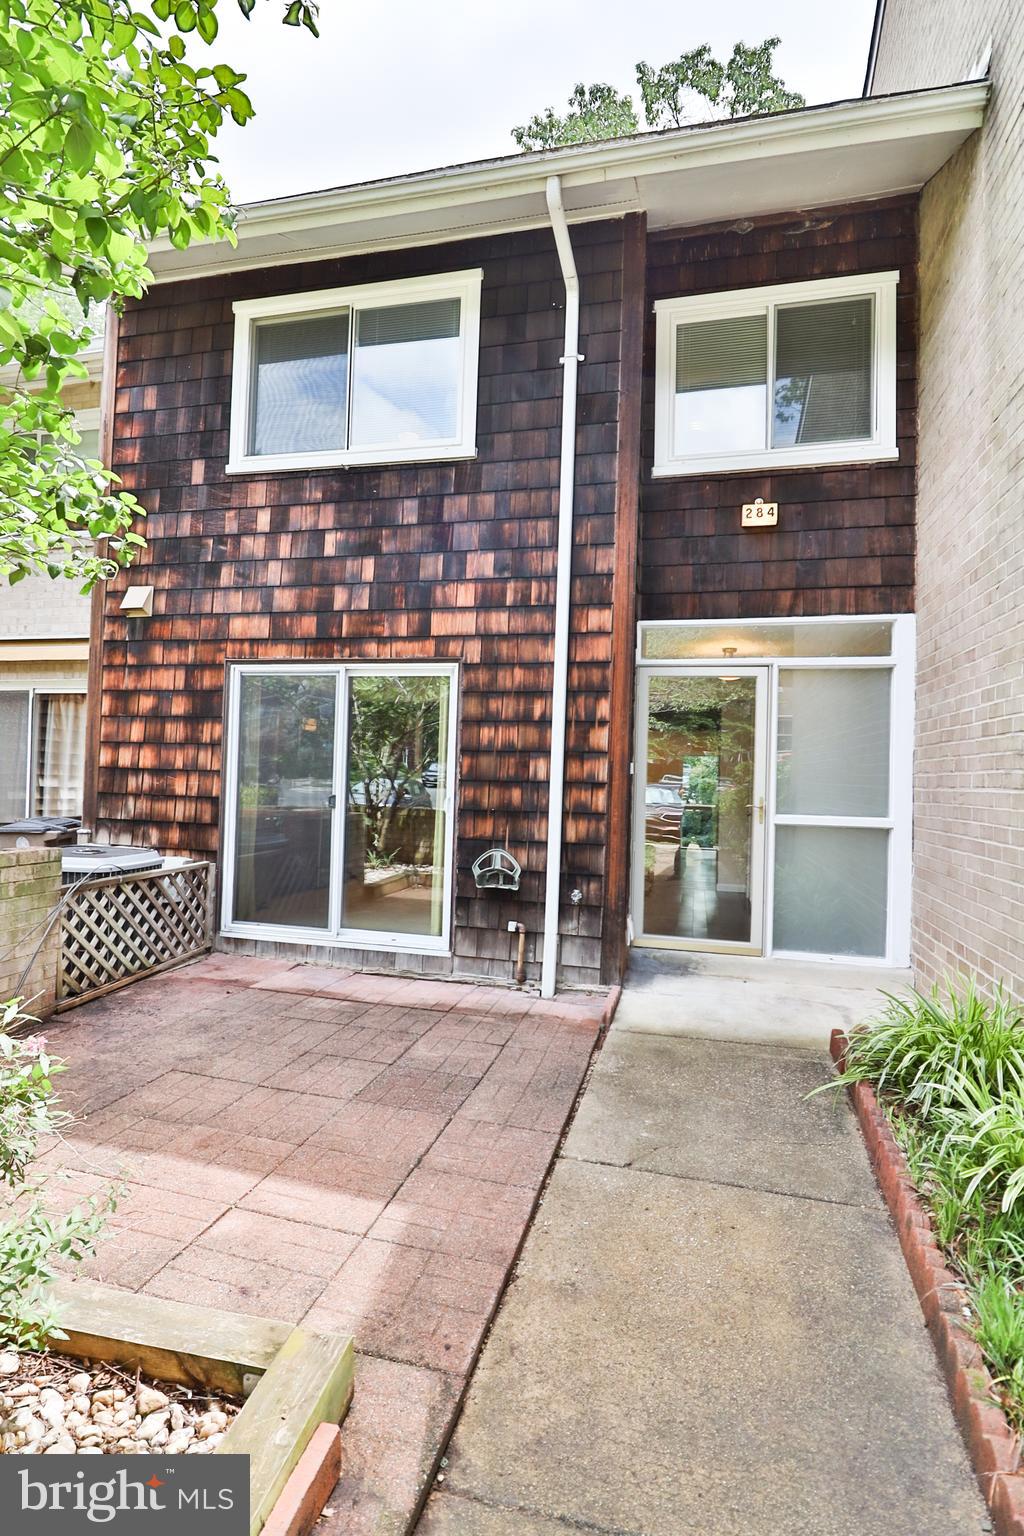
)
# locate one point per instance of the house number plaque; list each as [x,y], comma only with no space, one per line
[760,513]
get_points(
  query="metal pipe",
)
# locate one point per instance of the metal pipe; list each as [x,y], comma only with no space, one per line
[520,928]
[570,360]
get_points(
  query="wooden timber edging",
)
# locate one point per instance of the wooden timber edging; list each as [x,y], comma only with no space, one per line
[993,1447]
[294,1382]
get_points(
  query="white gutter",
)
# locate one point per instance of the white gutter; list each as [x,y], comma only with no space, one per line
[570,361]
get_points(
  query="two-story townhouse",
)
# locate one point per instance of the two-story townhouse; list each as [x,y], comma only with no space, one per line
[579,480]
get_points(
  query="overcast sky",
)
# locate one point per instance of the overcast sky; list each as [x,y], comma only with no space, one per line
[405,85]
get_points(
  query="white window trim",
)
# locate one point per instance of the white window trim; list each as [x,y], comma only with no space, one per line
[464,286]
[336,936]
[35,692]
[882,444]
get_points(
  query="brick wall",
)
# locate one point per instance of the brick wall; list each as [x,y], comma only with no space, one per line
[969,789]
[29,890]
[38,608]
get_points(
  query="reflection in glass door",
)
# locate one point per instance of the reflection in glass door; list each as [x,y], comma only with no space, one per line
[395,804]
[703,810]
[284,799]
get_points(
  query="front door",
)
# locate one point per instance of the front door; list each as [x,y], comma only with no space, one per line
[700,808]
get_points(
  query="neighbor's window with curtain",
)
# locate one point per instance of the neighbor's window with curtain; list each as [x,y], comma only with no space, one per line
[801,373]
[42,754]
[59,754]
[379,374]
[15,729]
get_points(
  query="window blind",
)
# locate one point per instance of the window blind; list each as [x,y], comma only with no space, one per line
[406,372]
[722,354]
[823,372]
[396,323]
[300,392]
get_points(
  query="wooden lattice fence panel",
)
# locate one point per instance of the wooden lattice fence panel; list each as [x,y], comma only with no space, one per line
[116,930]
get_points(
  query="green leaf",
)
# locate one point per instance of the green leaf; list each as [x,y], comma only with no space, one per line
[207,24]
[80,144]
[184,17]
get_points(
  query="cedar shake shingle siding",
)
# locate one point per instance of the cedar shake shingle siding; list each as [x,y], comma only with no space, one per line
[845,537]
[419,562]
[456,562]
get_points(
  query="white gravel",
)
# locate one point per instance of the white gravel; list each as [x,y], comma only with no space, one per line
[51,1405]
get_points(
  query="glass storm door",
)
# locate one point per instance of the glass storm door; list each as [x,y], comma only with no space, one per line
[699,869]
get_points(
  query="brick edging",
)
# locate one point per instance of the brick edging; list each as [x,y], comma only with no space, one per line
[993,1447]
[310,1484]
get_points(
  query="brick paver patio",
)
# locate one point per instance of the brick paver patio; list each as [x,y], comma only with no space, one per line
[359,1152]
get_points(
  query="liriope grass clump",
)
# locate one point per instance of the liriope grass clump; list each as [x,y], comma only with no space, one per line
[948,1068]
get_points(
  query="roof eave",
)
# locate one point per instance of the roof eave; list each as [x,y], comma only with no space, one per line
[601,181]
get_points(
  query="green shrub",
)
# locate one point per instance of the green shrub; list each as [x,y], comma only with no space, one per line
[949,1071]
[922,1048]
[984,1135]
[999,1329]
[30,1237]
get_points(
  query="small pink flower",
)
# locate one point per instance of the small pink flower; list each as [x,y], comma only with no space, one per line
[34,1045]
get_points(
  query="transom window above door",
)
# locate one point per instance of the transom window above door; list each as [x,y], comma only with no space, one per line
[794,374]
[381,374]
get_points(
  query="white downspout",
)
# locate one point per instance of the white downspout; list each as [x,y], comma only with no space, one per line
[570,360]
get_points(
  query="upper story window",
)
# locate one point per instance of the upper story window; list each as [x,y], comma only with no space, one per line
[798,373]
[381,374]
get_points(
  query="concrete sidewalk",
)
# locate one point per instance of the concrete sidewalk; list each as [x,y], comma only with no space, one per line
[711,1330]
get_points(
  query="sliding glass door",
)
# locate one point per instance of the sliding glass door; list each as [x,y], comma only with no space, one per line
[338,815]
[284,799]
